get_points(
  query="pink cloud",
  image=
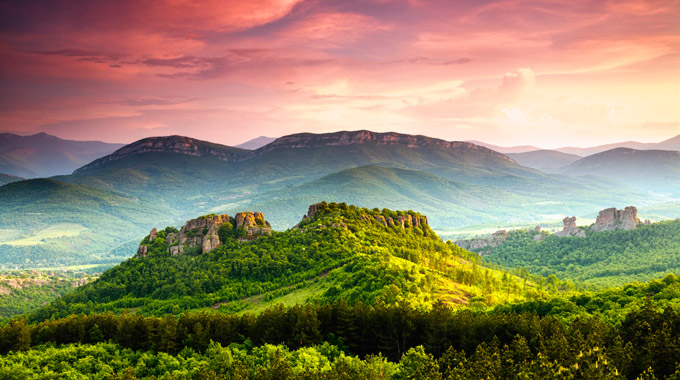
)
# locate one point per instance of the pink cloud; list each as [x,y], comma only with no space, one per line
[379,64]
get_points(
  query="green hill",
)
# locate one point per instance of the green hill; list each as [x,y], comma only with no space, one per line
[46,222]
[601,259]
[341,252]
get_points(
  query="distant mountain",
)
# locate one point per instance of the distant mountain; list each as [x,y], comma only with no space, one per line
[255,143]
[43,155]
[169,144]
[549,161]
[651,170]
[506,149]
[6,178]
[670,144]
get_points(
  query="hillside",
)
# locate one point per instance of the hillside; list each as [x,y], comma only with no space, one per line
[549,161]
[46,222]
[337,251]
[650,170]
[601,259]
[447,203]
[6,178]
[43,155]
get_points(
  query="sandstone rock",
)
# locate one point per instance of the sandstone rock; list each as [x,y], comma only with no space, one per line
[142,251]
[570,228]
[153,234]
[612,219]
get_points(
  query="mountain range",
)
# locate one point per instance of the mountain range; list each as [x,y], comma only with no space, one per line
[43,155]
[168,179]
[670,144]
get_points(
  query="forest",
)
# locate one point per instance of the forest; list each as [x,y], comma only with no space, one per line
[601,259]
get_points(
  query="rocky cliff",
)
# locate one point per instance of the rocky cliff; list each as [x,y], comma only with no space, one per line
[570,228]
[205,231]
[613,219]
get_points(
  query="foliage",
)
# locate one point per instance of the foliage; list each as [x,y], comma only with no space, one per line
[601,259]
[320,341]
[23,291]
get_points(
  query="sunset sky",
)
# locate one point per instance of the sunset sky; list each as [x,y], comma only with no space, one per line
[549,73]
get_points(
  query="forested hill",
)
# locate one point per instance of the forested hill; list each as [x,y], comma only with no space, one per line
[336,251]
[601,259]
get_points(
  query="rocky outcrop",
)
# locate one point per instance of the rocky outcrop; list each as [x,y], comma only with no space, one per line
[486,243]
[203,232]
[570,228]
[344,138]
[253,223]
[405,220]
[612,219]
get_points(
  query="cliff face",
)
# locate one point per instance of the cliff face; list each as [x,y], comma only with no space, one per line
[204,232]
[613,219]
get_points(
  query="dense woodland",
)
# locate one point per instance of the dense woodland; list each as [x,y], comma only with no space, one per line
[601,259]
[339,340]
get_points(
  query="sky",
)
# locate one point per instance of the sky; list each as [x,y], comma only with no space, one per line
[548,73]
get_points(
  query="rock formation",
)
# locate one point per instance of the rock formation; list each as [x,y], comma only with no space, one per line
[204,232]
[613,219]
[570,228]
[486,244]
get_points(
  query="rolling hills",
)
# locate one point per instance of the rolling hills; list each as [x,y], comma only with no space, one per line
[651,170]
[45,221]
